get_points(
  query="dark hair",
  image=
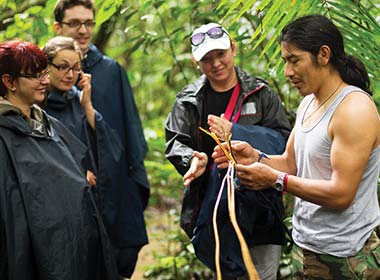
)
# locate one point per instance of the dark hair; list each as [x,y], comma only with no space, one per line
[62,5]
[18,56]
[310,32]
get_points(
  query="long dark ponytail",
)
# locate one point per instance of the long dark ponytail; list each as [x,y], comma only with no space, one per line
[310,32]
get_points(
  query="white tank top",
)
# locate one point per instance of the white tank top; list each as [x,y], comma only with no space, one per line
[324,230]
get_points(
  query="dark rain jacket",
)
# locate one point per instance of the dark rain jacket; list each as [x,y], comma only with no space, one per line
[50,228]
[120,206]
[263,123]
[112,96]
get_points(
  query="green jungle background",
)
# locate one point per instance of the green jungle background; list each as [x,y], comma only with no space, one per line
[151,40]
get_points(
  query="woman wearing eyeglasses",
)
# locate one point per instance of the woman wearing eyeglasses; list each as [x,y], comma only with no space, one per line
[65,68]
[121,208]
[226,99]
[49,225]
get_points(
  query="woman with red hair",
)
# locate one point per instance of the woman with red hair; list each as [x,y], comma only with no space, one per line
[49,224]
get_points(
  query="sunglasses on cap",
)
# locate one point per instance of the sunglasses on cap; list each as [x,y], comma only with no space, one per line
[213,33]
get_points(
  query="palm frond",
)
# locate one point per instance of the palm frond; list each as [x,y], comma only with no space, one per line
[355,19]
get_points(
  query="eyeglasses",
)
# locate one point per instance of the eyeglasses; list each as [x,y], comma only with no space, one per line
[77,24]
[38,76]
[64,68]
[214,33]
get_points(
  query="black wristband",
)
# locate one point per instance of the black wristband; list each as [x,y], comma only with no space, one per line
[262,155]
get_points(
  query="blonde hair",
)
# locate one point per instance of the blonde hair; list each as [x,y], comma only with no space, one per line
[59,43]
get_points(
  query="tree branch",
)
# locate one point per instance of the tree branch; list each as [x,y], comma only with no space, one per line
[171,46]
[105,31]
[6,17]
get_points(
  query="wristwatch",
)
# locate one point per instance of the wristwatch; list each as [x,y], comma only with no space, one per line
[281,182]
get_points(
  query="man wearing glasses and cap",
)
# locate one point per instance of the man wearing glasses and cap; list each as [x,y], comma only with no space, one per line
[226,99]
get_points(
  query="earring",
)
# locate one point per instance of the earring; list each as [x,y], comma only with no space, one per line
[198,67]
[13,89]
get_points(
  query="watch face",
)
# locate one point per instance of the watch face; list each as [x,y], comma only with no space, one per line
[279,187]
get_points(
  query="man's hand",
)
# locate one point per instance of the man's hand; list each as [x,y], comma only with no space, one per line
[243,153]
[256,176]
[197,167]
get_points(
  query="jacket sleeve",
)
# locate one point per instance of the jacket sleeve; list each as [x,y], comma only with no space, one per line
[180,132]
[15,244]
[274,114]
[77,149]
[5,175]
[135,145]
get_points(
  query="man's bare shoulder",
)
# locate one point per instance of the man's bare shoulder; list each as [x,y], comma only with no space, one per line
[359,106]
[357,114]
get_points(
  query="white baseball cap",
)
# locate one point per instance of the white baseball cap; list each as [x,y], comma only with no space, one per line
[209,43]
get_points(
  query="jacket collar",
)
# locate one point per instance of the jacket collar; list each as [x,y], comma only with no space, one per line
[13,118]
[92,57]
[58,100]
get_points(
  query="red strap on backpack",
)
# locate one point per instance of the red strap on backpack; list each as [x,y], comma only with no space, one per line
[232,103]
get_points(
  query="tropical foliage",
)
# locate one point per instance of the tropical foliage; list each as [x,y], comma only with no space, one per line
[151,37]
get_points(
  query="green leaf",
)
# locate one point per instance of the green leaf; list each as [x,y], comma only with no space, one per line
[49,8]
[107,9]
[231,9]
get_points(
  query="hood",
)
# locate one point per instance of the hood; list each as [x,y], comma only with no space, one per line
[92,57]
[248,82]
[13,118]
[190,91]
[6,108]
[58,100]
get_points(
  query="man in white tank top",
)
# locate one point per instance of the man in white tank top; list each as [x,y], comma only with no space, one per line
[332,159]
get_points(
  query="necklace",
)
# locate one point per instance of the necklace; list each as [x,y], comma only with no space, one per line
[320,105]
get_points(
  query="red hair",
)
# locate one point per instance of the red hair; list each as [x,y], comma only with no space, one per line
[18,56]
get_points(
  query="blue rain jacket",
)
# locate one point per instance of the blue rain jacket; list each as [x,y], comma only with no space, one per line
[120,204]
[112,96]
